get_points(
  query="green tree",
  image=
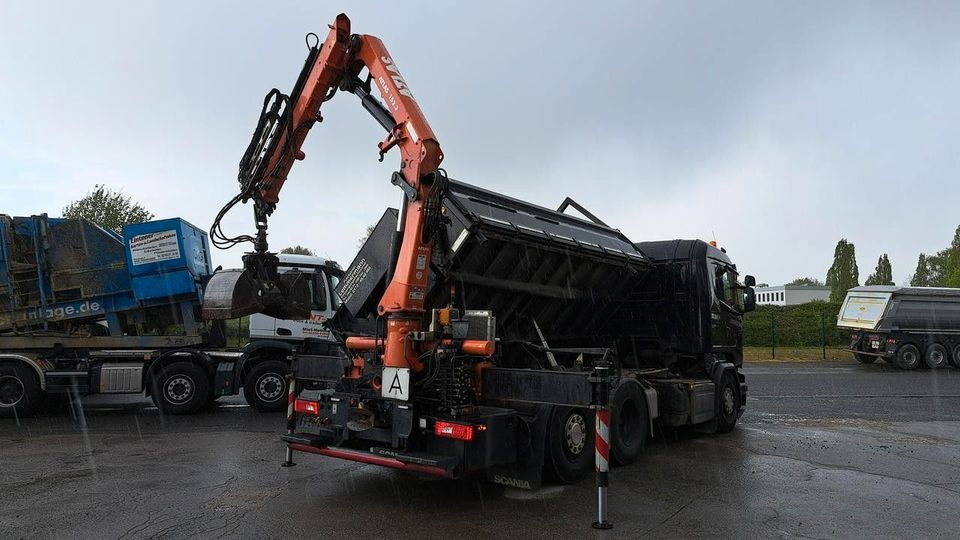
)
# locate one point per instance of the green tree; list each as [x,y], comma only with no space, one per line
[937,268]
[843,273]
[883,274]
[921,276]
[807,281]
[951,267]
[108,209]
[297,250]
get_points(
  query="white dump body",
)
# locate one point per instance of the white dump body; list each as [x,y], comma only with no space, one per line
[863,310]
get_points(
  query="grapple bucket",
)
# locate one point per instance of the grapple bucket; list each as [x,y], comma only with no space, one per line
[235,293]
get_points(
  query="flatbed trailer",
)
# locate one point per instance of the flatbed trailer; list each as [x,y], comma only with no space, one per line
[84,310]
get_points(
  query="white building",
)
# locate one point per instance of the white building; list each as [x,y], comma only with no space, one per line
[789,295]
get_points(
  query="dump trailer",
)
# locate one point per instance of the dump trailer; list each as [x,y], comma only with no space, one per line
[555,294]
[479,331]
[906,326]
[85,310]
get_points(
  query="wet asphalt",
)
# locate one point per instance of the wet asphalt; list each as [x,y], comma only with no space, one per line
[824,450]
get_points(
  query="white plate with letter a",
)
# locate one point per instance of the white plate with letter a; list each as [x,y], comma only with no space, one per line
[395,383]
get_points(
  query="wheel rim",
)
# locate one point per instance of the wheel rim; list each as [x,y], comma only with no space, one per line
[910,358]
[937,357]
[270,387]
[729,401]
[11,391]
[629,420]
[575,433]
[178,389]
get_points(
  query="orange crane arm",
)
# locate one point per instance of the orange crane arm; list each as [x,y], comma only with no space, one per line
[334,65]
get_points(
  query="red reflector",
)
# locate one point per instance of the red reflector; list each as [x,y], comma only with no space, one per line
[891,341]
[306,407]
[453,431]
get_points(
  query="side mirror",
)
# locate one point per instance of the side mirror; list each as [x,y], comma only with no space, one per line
[750,281]
[749,298]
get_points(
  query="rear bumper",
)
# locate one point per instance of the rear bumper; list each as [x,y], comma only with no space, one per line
[864,344]
[430,465]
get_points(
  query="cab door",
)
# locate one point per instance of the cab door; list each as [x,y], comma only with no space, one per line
[726,306]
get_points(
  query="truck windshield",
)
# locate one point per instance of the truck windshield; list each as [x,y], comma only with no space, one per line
[334,281]
[726,287]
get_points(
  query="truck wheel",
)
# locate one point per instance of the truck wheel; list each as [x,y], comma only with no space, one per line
[728,403]
[629,423]
[569,446]
[955,357]
[936,356]
[908,356]
[180,388]
[864,358]
[265,388]
[19,391]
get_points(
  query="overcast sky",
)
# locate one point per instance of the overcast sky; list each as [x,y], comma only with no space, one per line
[776,128]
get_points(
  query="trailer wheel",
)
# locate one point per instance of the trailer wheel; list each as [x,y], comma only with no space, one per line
[569,446]
[908,356]
[864,358]
[19,391]
[629,423]
[180,388]
[936,356]
[955,357]
[728,403]
[265,387]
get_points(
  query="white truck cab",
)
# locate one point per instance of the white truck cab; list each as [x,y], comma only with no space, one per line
[324,277]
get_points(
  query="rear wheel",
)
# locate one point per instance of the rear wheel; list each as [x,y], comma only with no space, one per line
[908,356]
[864,358]
[569,446]
[936,356]
[629,423]
[19,391]
[265,386]
[955,357]
[180,388]
[728,403]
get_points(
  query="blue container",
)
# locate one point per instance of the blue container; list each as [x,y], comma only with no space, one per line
[166,258]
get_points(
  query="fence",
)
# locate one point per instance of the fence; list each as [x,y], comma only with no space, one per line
[803,331]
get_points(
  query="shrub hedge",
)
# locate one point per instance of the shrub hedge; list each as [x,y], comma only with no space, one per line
[802,325]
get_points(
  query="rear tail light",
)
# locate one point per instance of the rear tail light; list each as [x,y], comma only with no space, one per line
[306,407]
[891,341]
[451,430]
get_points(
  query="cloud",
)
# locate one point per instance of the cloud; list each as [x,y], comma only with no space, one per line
[779,128]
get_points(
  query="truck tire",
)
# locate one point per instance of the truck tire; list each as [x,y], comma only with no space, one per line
[180,388]
[629,423]
[265,387]
[864,358]
[908,356]
[568,452]
[20,392]
[955,357]
[728,403]
[936,356]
